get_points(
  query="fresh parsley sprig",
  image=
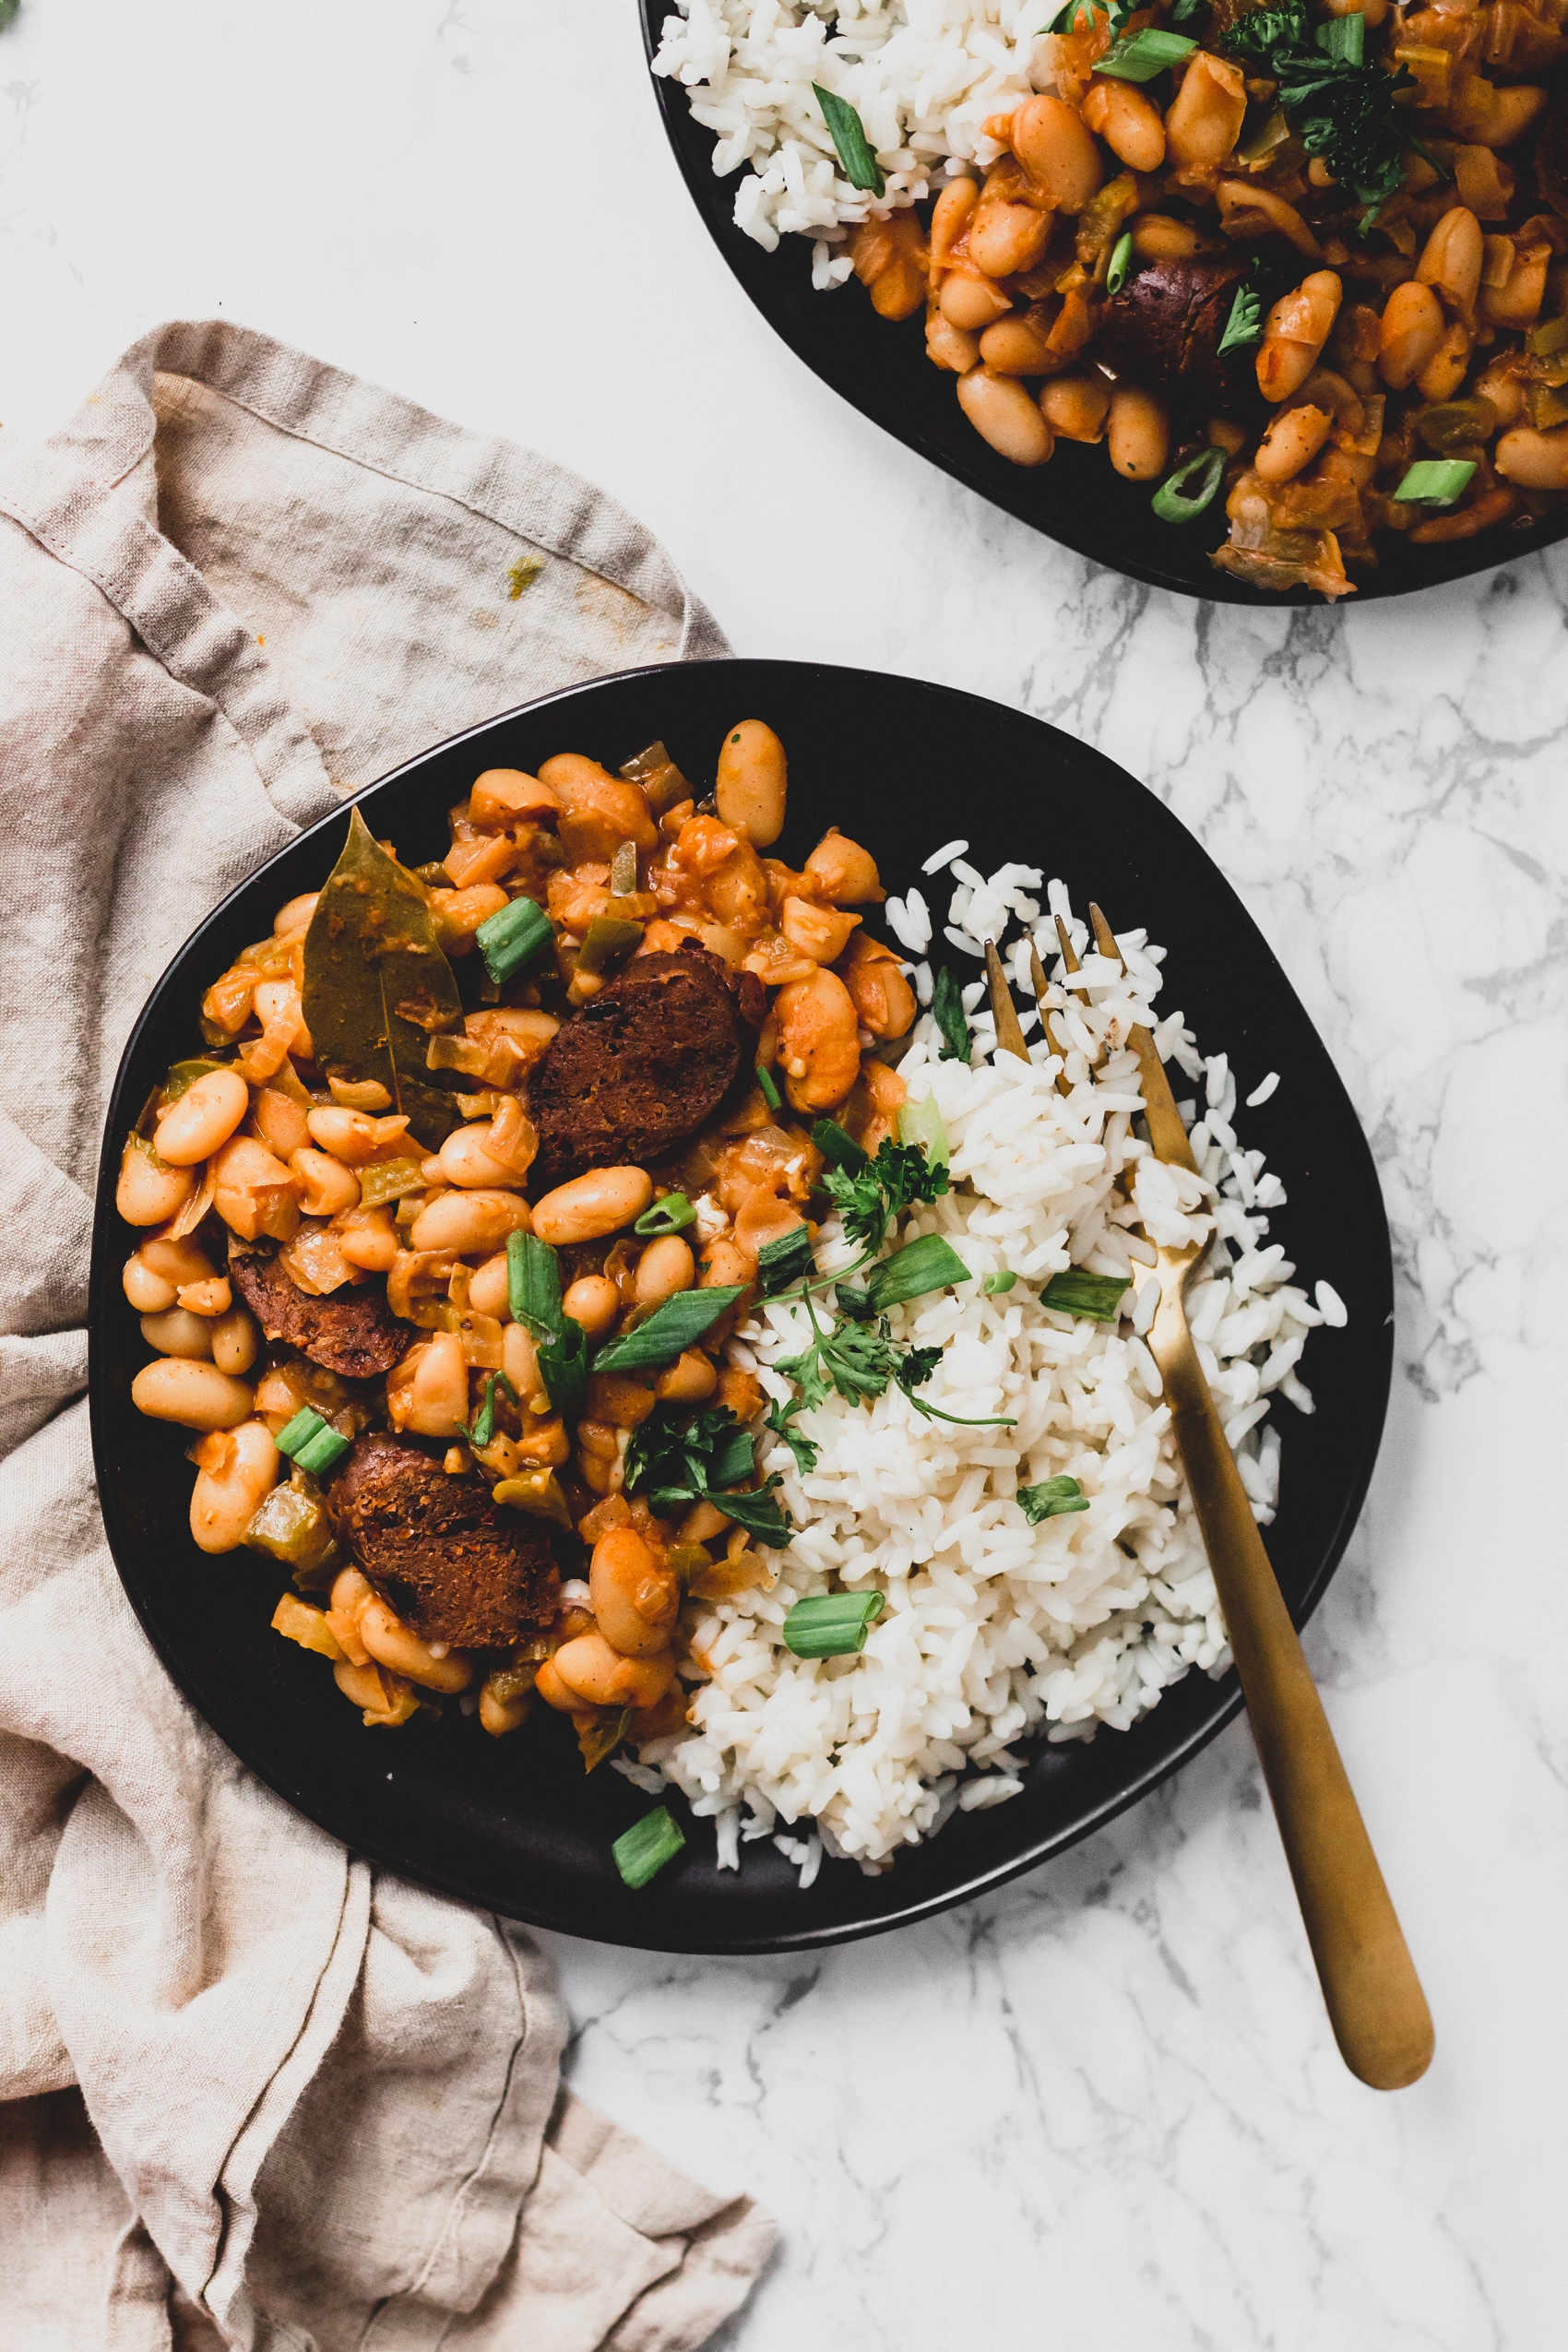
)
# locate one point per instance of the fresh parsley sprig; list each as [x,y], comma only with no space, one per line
[679,1461]
[1343,110]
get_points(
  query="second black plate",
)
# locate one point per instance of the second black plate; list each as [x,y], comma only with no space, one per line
[882,370]
[512,1825]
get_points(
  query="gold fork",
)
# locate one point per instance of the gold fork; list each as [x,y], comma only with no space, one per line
[1370,1986]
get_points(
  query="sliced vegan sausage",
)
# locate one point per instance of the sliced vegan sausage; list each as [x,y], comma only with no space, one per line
[1164,328]
[635,1072]
[455,1565]
[353,1331]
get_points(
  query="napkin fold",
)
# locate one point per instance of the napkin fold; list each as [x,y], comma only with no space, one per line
[260,2093]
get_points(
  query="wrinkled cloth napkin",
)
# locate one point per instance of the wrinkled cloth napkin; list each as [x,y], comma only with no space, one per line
[257,2093]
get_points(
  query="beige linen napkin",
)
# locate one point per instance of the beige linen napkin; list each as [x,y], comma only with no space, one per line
[258,2092]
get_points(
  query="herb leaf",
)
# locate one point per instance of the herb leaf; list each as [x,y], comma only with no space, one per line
[881,1189]
[1245,324]
[702,1460]
[780,1421]
[377,985]
[1342,110]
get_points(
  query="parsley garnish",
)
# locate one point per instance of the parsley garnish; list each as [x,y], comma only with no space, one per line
[1245,323]
[870,1197]
[679,1462]
[1343,112]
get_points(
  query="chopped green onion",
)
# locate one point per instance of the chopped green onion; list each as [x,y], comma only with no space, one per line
[788,1259]
[947,1012]
[996,1285]
[929,1264]
[1097,1297]
[1245,324]
[1344,38]
[1146,53]
[920,1123]
[668,1331]
[833,1625]
[483,1429]
[1171,501]
[607,941]
[1116,275]
[1052,1500]
[533,1285]
[311,1442]
[770,1093]
[513,938]
[671,1215]
[839,1147]
[1437,481]
[563,1366]
[389,1180]
[642,1851]
[849,135]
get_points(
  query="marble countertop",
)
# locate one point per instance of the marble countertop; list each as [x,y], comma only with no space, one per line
[1101,2106]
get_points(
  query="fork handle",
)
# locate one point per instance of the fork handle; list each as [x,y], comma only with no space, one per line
[1373,1996]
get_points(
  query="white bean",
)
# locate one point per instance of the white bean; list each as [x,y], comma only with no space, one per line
[179,1333]
[148,1292]
[752,782]
[146,1194]
[196,1396]
[226,1498]
[590,1206]
[203,1119]
[234,1341]
[468,1223]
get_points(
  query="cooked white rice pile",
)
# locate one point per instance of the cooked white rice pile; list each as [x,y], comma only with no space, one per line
[922,75]
[994,1631]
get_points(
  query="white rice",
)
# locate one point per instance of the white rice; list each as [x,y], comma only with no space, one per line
[922,75]
[995,1632]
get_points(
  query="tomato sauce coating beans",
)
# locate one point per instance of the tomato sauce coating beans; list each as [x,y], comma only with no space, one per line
[1151,256]
[335,1269]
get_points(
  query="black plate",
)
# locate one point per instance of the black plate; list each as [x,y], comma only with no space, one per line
[512,1825]
[882,370]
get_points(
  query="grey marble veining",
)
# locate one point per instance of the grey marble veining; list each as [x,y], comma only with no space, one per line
[1100,2108]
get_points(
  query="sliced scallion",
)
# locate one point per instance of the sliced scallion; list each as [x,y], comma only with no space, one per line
[642,1851]
[563,1366]
[770,1093]
[788,1259]
[849,135]
[1344,38]
[671,1215]
[1053,1499]
[838,1146]
[1436,481]
[833,1625]
[1173,503]
[672,1328]
[1097,1297]
[920,1123]
[483,1429]
[947,1012]
[995,1286]
[1121,259]
[1148,53]
[313,1443]
[533,1285]
[513,938]
[929,1264]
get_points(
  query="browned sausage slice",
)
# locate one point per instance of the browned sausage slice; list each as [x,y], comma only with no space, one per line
[453,1564]
[351,1332]
[1164,328]
[636,1070]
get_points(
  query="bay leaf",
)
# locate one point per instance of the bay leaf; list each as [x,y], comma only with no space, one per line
[377,985]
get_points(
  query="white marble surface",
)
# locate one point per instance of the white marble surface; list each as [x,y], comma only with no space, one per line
[1102,2107]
